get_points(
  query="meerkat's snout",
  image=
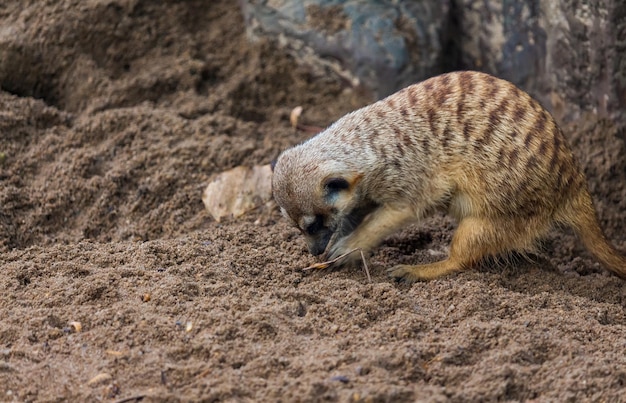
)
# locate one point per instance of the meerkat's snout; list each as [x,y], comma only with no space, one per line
[317,235]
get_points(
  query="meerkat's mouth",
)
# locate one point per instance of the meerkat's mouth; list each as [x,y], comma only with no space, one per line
[350,222]
[319,244]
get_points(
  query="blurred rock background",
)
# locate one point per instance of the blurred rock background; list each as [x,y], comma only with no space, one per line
[570,54]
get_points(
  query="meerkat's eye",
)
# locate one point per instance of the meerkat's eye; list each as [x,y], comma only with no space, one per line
[336,184]
[316,226]
[333,187]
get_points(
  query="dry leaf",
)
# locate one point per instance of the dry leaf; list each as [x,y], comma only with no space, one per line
[237,191]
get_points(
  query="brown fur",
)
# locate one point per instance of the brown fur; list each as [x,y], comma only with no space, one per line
[469,143]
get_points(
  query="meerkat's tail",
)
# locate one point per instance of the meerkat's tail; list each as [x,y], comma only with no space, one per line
[581,216]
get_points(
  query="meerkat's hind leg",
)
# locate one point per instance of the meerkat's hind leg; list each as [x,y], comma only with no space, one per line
[474,239]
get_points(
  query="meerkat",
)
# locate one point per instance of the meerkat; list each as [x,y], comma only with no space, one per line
[476,146]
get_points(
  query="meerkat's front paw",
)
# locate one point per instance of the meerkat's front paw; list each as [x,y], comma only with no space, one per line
[340,248]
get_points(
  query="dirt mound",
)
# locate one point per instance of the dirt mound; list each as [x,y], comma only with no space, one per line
[125,155]
[114,116]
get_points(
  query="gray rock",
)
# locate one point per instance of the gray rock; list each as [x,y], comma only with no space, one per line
[569,54]
[384,45]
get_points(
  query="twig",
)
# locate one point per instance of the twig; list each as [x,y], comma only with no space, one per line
[326,264]
[294,117]
[309,128]
[367,271]
[130,399]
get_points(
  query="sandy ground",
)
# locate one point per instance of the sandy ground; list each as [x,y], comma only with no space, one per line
[104,152]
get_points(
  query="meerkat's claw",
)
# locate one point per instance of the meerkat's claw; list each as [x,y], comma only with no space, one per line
[407,273]
[401,273]
[425,272]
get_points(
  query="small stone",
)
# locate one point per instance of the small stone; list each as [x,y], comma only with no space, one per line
[99,379]
[340,378]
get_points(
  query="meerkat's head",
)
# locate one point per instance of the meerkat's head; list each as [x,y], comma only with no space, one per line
[318,195]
